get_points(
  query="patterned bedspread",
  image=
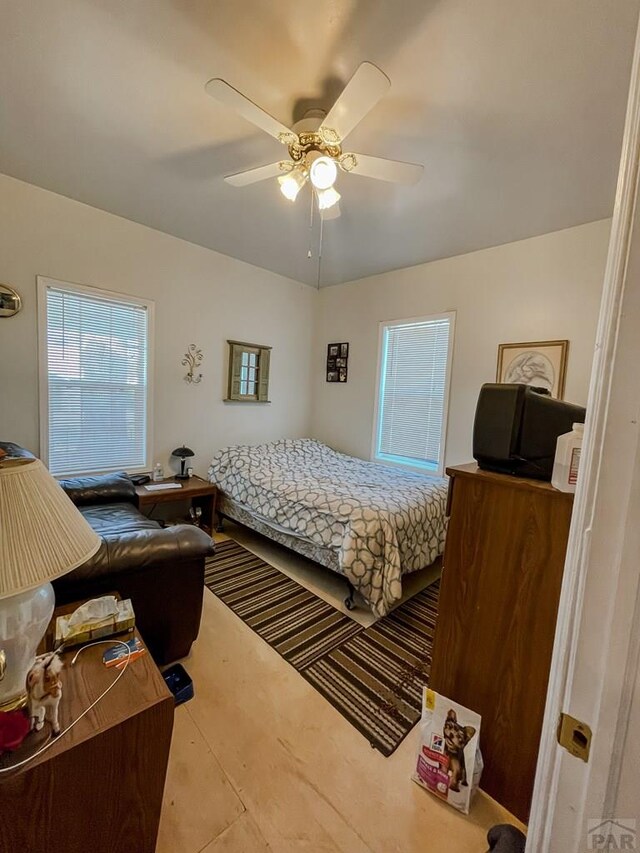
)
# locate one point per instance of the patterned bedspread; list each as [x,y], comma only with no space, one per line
[382,521]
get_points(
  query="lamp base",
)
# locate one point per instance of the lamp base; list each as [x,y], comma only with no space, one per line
[14,704]
[23,621]
[33,742]
[182,477]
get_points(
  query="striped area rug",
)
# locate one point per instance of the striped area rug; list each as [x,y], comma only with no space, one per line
[372,676]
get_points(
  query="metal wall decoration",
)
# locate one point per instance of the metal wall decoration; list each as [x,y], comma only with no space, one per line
[10,301]
[192,360]
[337,362]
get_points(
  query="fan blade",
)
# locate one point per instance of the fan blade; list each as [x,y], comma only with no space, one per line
[230,97]
[252,176]
[360,95]
[332,212]
[386,170]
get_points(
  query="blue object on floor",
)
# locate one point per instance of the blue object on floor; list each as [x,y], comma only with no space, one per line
[179,683]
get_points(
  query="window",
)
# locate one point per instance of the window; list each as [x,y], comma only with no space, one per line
[248,373]
[94,363]
[413,391]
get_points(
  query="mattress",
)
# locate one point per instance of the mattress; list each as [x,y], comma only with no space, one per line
[380,521]
[327,557]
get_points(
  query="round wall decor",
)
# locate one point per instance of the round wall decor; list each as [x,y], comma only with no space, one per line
[10,301]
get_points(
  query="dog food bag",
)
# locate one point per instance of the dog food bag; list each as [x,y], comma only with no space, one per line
[449,762]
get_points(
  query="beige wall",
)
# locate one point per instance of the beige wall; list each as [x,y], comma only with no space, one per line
[200,297]
[543,288]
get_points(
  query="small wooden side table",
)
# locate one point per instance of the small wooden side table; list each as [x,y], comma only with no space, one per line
[99,787]
[195,490]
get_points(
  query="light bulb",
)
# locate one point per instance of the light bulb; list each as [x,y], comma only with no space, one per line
[292,183]
[327,198]
[323,173]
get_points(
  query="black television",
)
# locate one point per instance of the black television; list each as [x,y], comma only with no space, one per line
[516,428]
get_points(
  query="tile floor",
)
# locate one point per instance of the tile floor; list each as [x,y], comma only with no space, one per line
[261,762]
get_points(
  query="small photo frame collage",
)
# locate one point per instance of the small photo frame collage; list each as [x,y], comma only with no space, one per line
[337,362]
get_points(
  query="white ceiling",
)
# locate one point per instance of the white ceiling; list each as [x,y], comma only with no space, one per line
[515,107]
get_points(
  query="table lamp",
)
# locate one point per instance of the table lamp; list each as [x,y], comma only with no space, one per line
[42,536]
[183,453]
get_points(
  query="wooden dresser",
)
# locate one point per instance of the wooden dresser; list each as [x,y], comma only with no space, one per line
[502,572]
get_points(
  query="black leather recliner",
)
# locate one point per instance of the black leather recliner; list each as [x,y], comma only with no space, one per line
[160,569]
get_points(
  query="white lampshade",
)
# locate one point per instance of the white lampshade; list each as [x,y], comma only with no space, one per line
[42,534]
[327,198]
[292,183]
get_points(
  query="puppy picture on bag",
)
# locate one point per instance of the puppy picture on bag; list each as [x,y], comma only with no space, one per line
[449,762]
[456,737]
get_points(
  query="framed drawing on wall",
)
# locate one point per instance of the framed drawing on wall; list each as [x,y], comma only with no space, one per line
[539,363]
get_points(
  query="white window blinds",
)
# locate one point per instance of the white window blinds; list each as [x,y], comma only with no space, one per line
[413,394]
[95,369]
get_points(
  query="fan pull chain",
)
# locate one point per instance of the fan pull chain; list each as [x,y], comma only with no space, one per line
[320,248]
[320,235]
[310,253]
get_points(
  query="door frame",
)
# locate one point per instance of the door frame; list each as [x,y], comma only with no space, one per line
[597,644]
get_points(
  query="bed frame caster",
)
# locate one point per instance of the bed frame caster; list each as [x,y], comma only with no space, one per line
[349,603]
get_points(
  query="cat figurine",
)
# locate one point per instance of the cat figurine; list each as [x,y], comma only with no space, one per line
[45,690]
[456,737]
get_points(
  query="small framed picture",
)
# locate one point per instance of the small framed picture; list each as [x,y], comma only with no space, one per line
[337,362]
[542,364]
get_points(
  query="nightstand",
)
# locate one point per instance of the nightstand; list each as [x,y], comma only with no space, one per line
[100,786]
[195,490]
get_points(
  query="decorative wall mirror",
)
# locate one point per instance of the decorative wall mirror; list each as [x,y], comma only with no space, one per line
[248,373]
[10,301]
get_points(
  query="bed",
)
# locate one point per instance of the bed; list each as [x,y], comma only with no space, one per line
[371,523]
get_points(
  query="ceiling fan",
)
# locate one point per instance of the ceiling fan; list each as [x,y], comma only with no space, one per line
[315,143]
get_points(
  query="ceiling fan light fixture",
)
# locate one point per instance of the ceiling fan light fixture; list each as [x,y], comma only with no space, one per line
[292,183]
[323,173]
[327,198]
[315,143]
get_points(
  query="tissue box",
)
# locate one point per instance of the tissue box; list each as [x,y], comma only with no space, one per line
[123,620]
